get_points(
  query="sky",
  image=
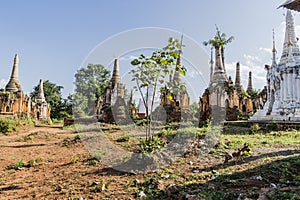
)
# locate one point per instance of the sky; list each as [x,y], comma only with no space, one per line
[55,38]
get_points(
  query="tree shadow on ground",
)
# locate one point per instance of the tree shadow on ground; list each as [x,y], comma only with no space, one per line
[108,171]
[8,188]
[24,145]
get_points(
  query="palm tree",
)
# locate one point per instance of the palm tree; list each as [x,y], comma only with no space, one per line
[219,41]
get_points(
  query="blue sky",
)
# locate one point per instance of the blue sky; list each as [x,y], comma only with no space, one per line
[54,38]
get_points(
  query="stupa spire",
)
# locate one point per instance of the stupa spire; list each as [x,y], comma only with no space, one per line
[238,77]
[290,40]
[219,75]
[13,85]
[211,62]
[177,77]
[116,79]
[274,51]
[41,96]
[250,87]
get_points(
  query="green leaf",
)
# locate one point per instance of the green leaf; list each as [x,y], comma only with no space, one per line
[135,62]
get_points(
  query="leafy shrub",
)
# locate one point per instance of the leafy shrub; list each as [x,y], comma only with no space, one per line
[124,138]
[151,145]
[8,125]
[18,165]
[74,159]
[255,128]
[166,133]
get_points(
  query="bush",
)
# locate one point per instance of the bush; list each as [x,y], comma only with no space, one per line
[151,145]
[18,165]
[8,125]
[166,132]
[124,138]
[255,128]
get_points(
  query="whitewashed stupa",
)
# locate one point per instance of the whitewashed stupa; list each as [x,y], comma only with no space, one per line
[283,80]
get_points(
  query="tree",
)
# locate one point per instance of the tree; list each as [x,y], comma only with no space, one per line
[219,41]
[152,70]
[90,83]
[53,97]
[194,107]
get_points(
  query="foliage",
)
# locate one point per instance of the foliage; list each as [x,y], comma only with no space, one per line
[166,132]
[153,70]
[284,195]
[80,104]
[149,146]
[124,138]
[194,108]
[254,93]
[219,40]
[255,128]
[74,159]
[8,125]
[18,165]
[59,106]
[90,83]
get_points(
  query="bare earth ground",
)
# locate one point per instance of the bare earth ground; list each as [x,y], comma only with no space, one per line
[59,167]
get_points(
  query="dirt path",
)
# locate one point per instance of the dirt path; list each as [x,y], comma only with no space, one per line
[43,151]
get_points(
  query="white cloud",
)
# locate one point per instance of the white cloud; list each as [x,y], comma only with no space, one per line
[267,50]
[126,58]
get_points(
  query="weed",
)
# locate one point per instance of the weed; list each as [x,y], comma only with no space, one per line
[18,165]
[34,162]
[124,138]
[8,125]
[284,195]
[67,142]
[74,159]
[151,145]
[255,128]
[92,161]
[166,132]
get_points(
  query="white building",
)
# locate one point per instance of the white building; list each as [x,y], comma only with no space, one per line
[283,80]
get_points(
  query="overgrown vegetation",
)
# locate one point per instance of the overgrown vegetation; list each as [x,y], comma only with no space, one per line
[8,125]
[151,145]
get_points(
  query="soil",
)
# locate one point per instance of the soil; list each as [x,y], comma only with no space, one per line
[58,166]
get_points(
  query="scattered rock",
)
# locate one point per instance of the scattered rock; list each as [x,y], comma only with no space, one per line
[103,187]
[95,183]
[136,182]
[191,163]
[141,194]
[59,188]
[188,196]
[166,176]
[257,178]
